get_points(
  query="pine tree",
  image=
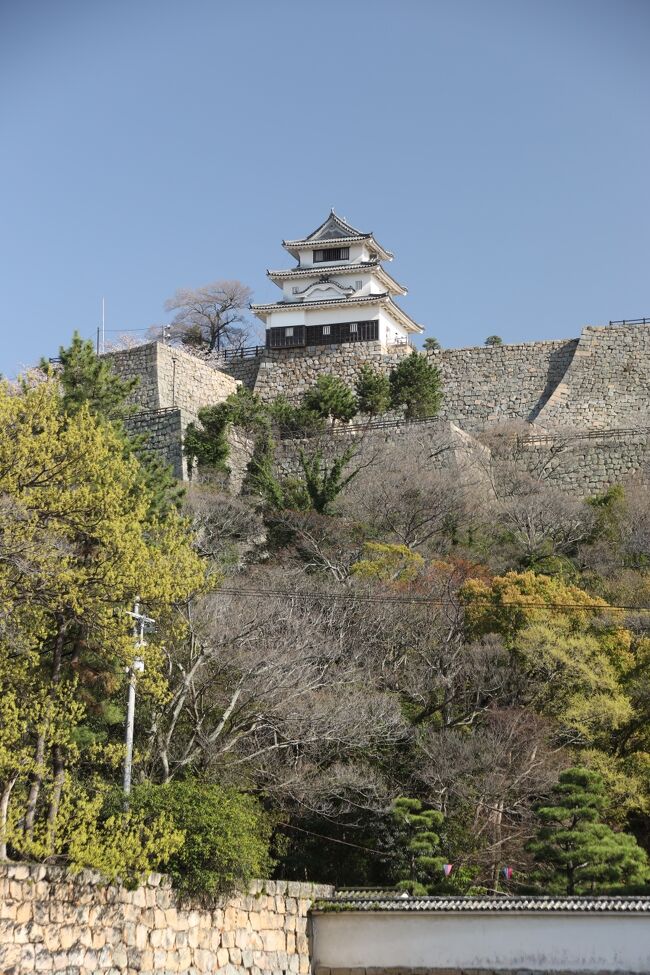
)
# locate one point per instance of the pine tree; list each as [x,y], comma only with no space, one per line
[331,398]
[373,391]
[577,852]
[86,378]
[418,844]
[415,384]
[431,344]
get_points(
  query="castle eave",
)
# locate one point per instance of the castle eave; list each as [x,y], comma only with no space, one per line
[393,286]
[295,246]
[384,299]
[324,303]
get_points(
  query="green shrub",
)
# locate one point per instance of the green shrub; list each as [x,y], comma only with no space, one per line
[227,834]
[330,397]
[373,391]
[416,386]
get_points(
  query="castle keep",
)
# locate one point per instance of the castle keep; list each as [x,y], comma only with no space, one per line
[338,312]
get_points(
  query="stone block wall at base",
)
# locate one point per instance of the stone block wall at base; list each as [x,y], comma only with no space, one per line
[51,921]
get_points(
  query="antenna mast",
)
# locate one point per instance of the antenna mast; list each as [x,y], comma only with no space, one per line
[103,326]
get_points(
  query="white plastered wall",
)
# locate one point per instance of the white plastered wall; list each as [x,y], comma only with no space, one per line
[544,942]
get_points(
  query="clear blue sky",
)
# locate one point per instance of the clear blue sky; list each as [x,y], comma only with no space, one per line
[500,148]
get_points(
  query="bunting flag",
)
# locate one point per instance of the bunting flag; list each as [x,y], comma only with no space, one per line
[447,867]
[507,872]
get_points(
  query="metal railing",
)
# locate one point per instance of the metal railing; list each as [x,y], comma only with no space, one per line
[632,321]
[245,352]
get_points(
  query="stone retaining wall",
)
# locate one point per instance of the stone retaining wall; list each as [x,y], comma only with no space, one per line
[163,434]
[290,372]
[170,377]
[584,466]
[607,383]
[481,385]
[53,922]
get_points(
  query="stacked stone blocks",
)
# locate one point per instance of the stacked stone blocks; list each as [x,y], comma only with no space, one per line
[51,921]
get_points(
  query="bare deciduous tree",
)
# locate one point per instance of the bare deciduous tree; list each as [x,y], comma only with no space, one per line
[272,692]
[490,779]
[209,318]
[544,521]
[415,496]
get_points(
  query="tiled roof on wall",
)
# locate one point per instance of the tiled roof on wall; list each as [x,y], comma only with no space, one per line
[383,900]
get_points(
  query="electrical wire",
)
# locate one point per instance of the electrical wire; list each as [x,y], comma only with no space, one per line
[332,839]
[424,600]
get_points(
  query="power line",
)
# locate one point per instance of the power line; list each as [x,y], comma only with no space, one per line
[422,600]
[331,839]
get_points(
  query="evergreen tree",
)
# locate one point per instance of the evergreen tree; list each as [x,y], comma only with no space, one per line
[373,391]
[579,853]
[494,340]
[415,384]
[418,843]
[331,398]
[88,379]
[431,344]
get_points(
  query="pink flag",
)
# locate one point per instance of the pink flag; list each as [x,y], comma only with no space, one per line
[507,872]
[447,867]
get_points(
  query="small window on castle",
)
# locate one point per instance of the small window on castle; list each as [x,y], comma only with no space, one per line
[327,329]
[295,289]
[353,326]
[332,254]
[288,333]
[358,285]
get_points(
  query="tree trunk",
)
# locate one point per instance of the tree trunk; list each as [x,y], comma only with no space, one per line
[35,788]
[570,880]
[57,751]
[4,810]
[55,801]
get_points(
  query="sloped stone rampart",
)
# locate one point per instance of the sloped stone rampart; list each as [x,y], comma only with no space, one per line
[588,464]
[290,372]
[607,384]
[53,922]
[162,432]
[491,384]
[169,377]
[481,385]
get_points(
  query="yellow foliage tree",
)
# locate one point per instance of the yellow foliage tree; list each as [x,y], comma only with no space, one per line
[579,664]
[78,543]
[383,562]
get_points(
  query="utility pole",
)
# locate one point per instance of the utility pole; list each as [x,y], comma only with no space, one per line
[137,667]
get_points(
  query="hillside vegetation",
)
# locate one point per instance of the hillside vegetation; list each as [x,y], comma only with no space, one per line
[361,672]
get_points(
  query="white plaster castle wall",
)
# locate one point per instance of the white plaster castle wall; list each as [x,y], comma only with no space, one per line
[546,943]
[358,252]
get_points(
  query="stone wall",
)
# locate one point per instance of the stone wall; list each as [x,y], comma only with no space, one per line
[430,445]
[292,371]
[163,432]
[244,370]
[490,384]
[170,377]
[52,922]
[607,384]
[587,464]
[600,381]
[172,387]
[481,385]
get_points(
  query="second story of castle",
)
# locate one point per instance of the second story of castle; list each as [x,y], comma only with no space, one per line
[338,292]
